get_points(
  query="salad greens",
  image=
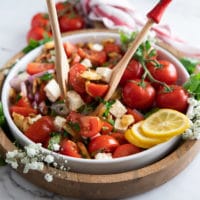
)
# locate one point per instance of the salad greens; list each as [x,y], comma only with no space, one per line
[189,64]
[2,117]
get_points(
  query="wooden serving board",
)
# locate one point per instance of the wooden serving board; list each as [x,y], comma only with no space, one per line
[111,186]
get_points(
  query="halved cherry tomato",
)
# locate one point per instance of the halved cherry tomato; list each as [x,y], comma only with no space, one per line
[75,80]
[63,7]
[176,99]
[119,137]
[165,72]
[110,47]
[126,150]
[134,70]
[69,148]
[74,117]
[40,20]
[40,130]
[37,33]
[95,89]
[138,94]
[106,128]
[34,67]
[96,57]
[90,126]
[138,116]
[70,22]
[69,48]
[103,143]
[25,111]
[23,102]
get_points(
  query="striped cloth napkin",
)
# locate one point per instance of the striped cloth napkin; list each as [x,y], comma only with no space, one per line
[118,14]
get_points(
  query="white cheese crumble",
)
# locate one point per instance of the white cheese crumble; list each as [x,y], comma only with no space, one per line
[96,47]
[105,73]
[55,147]
[48,177]
[86,62]
[118,109]
[59,122]
[52,90]
[193,114]
[103,156]
[49,159]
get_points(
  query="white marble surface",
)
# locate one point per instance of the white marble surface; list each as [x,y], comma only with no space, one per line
[15,16]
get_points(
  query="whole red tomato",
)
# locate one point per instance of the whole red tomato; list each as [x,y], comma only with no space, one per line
[165,72]
[134,70]
[40,130]
[70,23]
[37,33]
[175,98]
[103,143]
[40,20]
[138,94]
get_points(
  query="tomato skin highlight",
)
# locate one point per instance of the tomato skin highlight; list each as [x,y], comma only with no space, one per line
[35,68]
[69,148]
[139,95]
[23,102]
[134,70]
[25,111]
[126,150]
[103,143]
[40,20]
[166,73]
[75,79]
[95,89]
[40,130]
[90,126]
[176,99]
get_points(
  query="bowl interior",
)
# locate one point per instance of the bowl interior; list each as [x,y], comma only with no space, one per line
[85,165]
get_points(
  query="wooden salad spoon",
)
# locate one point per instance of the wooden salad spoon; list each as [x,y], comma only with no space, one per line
[62,65]
[154,16]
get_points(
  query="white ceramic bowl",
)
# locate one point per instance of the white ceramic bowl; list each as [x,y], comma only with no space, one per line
[85,165]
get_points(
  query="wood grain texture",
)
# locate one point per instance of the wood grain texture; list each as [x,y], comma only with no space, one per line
[111,186]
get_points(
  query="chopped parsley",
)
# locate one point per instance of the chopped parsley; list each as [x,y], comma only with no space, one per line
[46,77]
[55,139]
[2,117]
[189,64]
[75,126]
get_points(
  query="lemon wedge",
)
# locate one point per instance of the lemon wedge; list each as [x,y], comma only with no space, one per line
[165,123]
[135,136]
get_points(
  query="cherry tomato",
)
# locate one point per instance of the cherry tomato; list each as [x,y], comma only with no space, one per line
[71,22]
[138,116]
[166,72]
[103,143]
[63,7]
[25,111]
[42,94]
[90,126]
[40,130]
[134,70]
[95,89]
[37,33]
[106,128]
[75,80]
[119,137]
[74,117]
[126,150]
[35,68]
[110,47]
[69,148]
[96,57]
[69,48]
[23,102]
[174,99]
[138,94]
[40,20]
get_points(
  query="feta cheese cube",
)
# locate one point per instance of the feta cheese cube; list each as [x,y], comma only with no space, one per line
[75,100]
[118,109]
[105,73]
[32,120]
[103,156]
[96,47]
[86,62]
[52,90]
[59,122]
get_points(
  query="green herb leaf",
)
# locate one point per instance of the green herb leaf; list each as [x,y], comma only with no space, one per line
[75,126]
[33,44]
[193,85]
[126,39]
[189,64]
[55,139]
[47,76]
[108,105]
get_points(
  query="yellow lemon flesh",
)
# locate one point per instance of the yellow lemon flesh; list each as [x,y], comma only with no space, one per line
[165,123]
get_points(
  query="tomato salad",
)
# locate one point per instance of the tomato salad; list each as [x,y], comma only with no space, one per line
[40,112]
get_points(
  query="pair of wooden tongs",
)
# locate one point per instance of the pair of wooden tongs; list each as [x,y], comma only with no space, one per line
[154,16]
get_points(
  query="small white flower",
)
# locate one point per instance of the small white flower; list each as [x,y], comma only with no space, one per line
[48,177]
[49,159]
